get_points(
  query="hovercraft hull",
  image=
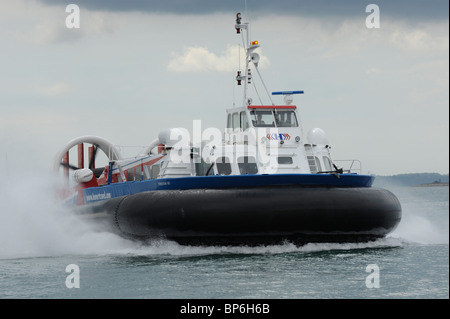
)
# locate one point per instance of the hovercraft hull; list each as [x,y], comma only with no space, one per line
[259,215]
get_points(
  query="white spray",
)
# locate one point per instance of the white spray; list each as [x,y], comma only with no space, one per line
[32,224]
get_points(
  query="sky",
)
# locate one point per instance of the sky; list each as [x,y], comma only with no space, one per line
[135,68]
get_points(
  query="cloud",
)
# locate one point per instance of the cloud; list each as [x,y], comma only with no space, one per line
[52,32]
[199,59]
[47,24]
[432,38]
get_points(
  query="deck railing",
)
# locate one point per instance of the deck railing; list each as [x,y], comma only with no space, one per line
[349,166]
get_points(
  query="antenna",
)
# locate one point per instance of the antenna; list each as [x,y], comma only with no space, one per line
[234,99]
[250,56]
[248,19]
[239,55]
[246,11]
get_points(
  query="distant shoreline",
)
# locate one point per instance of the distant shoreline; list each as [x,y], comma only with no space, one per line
[431,184]
[414,180]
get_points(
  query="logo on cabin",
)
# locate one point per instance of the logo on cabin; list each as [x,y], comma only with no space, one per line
[279,137]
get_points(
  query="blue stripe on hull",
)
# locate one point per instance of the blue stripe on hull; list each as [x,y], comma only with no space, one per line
[225,182]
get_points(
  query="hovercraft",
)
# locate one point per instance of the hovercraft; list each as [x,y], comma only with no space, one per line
[262,182]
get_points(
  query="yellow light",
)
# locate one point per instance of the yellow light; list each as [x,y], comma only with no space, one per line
[255,43]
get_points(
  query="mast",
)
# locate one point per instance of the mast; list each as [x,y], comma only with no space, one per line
[250,56]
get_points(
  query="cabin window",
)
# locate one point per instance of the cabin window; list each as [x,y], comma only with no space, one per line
[130,174]
[284,160]
[223,165]
[327,163]
[273,118]
[262,118]
[319,167]
[200,169]
[155,170]
[236,124]
[244,122]
[312,164]
[137,173]
[286,118]
[247,165]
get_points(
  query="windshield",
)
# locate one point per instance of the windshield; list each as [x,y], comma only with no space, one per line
[286,119]
[273,118]
[262,118]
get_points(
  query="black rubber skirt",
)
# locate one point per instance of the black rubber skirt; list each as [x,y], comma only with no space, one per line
[258,215]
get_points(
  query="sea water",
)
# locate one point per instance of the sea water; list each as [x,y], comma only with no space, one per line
[45,252]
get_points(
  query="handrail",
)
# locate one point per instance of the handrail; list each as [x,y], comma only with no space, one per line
[350,166]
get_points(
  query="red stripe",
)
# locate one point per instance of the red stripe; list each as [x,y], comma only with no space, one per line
[150,163]
[272,107]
